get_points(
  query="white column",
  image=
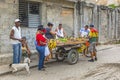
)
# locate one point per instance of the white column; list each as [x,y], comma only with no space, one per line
[116,24]
[76,26]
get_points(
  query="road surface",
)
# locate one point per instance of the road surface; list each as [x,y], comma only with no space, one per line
[106,68]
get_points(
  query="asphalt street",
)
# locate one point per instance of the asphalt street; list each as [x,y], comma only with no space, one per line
[106,68]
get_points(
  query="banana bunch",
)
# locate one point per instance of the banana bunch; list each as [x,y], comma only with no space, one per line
[52,44]
[81,49]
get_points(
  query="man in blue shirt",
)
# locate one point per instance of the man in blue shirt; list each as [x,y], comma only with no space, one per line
[49,33]
[84,31]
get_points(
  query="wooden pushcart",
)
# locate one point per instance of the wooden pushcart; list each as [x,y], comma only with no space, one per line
[68,50]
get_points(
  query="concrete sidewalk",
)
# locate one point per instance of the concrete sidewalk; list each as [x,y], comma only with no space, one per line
[4,69]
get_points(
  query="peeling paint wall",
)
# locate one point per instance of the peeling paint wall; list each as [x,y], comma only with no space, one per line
[105,19]
[103,26]
[50,11]
[53,15]
[88,16]
[118,32]
[8,13]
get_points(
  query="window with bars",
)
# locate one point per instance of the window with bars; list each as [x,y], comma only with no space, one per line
[23,12]
[29,13]
[34,8]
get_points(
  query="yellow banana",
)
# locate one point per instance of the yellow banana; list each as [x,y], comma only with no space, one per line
[52,44]
[81,49]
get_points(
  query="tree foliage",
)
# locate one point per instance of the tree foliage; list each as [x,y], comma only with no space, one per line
[112,6]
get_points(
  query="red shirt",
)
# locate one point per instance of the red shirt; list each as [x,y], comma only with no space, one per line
[40,37]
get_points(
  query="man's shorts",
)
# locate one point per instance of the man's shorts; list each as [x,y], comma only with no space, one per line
[92,47]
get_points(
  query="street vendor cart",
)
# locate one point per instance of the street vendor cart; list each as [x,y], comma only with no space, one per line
[69,50]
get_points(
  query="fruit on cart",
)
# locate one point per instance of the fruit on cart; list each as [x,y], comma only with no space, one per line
[63,39]
[81,49]
[52,44]
[71,40]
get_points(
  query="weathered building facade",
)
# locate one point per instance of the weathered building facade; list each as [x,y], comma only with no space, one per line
[32,13]
[105,19]
[73,15]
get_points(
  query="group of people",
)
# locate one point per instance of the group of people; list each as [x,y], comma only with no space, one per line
[92,34]
[43,35]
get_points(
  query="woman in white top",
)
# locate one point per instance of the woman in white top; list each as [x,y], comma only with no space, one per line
[60,31]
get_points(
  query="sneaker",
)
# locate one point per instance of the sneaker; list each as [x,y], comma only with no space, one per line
[44,66]
[95,59]
[41,69]
[88,56]
[91,60]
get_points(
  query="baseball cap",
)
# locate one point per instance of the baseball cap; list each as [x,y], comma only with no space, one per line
[17,20]
[91,25]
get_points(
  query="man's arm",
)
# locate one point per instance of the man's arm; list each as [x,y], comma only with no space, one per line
[53,33]
[64,33]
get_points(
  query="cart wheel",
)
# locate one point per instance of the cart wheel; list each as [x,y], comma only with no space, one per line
[72,57]
[60,55]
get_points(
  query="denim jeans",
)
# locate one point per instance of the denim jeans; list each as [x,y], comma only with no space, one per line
[17,53]
[41,51]
[35,42]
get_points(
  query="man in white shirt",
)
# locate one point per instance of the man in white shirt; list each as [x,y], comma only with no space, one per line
[15,35]
[60,31]
[84,31]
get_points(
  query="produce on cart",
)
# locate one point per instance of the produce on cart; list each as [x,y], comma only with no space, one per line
[68,48]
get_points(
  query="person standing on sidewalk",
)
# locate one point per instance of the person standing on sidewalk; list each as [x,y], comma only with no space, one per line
[50,35]
[41,44]
[93,39]
[15,35]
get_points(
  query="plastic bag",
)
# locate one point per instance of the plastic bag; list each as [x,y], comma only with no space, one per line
[47,51]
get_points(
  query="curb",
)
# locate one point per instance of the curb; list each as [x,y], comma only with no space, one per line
[32,66]
[105,49]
